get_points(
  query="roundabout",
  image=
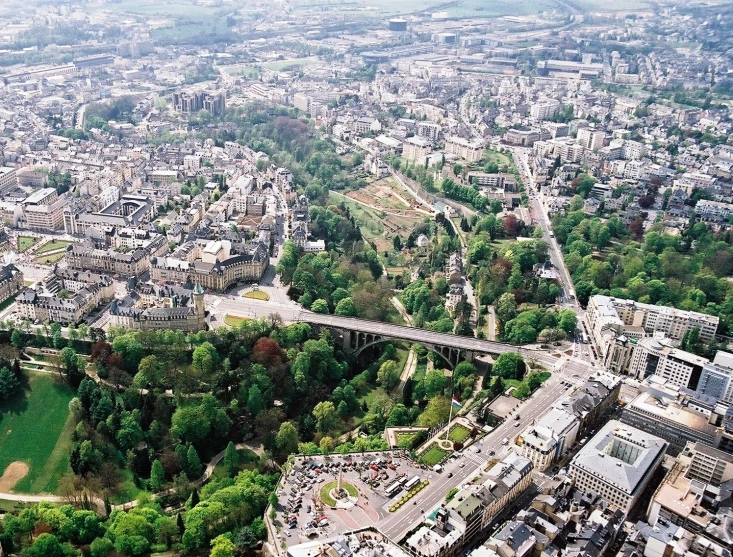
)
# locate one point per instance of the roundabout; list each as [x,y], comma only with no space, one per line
[339,494]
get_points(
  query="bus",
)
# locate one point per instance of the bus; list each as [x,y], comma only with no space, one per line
[392,489]
[412,483]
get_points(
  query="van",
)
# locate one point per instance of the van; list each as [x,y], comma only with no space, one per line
[505,441]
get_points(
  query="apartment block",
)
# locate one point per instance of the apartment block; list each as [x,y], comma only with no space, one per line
[415,148]
[467,150]
[11,282]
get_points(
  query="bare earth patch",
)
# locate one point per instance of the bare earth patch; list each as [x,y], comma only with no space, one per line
[15,472]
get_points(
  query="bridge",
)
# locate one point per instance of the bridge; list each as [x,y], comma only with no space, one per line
[358,334]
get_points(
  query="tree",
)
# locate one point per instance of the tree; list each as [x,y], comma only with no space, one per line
[157,476]
[9,384]
[255,402]
[325,415]
[397,243]
[435,382]
[195,468]
[151,370]
[16,339]
[101,547]
[345,307]
[506,309]
[46,545]
[204,358]
[222,546]
[507,365]
[388,375]
[568,321]
[231,459]
[319,306]
[286,441]
[436,412]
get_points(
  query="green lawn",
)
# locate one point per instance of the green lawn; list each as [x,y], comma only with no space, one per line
[433,455]
[36,428]
[257,295]
[458,433]
[234,320]
[26,242]
[50,259]
[53,245]
[404,438]
[7,303]
[325,492]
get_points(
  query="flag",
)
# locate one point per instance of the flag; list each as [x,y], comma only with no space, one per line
[454,402]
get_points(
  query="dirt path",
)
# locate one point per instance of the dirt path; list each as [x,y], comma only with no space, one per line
[15,472]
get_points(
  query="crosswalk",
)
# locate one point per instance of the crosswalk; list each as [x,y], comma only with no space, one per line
[473,457]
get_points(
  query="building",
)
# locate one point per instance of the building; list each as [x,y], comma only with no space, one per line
[11,282]
[415,148]
[129,211]
[610,318]
[472,509]
[65,297]
[618,463]
[591,139]
[8,179]
[550,438]
[44,210]
[661,413]
[716,378]
[364,542]
[162,307]
[217,269]
[85,256]
[709,465]
[454,268]
[468,150]
[544,110]
[429,130]
[654,356]
[190,102]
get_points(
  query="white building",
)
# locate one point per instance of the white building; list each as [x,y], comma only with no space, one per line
[550,438]
[415,148]
[618,463]
[468,150]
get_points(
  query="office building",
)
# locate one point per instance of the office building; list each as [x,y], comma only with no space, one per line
[656,356]
[44,210]
[190,102]
[618,463]
[591,139]
[8,179]
[716,378]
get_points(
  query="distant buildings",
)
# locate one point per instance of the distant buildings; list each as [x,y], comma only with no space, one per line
[190,102]
[82,291]
[618,463]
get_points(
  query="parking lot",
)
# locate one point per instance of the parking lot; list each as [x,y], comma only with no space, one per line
[306,511]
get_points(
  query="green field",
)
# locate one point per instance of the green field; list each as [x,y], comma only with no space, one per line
[234,320]
[50,259]
[433,455]
[53,245]
[458,433]
[257,295]
[404,438]
[325,492]
[36,428]
[26,242]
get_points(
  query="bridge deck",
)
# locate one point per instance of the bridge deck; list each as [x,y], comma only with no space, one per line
[411,334]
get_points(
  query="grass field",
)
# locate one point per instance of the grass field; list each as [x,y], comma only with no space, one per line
[325,492]
[50,259]
[257,295]
[234,320]
[433,455]
[36,429]
[52,245]
[404,438]
[458,433]
[26,242]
